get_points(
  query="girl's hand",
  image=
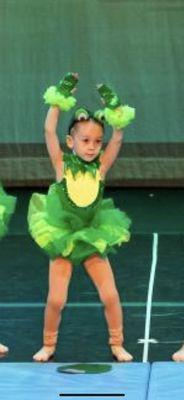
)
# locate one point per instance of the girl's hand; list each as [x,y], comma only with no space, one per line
[67,85]
[115,114]
[62,94]
[108,97]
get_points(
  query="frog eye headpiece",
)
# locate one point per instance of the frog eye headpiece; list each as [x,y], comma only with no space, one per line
[83,114]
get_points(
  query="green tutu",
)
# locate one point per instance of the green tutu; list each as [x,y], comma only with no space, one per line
[63,229]
[68,223]
[7,207]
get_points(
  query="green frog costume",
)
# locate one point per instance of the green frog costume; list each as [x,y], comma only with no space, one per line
[73,220]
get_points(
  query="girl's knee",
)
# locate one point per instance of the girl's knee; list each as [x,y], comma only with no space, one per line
[109,297]
[94,260]
[56,303]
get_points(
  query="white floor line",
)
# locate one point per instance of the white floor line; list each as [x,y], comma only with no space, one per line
[149,297]
[71,305]
[159,304]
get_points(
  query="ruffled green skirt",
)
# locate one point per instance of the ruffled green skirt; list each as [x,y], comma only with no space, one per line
[7,207]
[64,230]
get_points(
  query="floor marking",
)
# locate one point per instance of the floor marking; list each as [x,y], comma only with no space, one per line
[151,340]
[160,304]
[149,297]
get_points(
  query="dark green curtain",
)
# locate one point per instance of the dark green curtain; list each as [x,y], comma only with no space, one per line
[135,45]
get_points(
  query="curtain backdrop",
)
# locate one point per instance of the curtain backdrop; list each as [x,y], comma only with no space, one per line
[135,45]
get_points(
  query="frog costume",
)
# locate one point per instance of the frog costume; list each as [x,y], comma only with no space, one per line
[73,220]
[7,207]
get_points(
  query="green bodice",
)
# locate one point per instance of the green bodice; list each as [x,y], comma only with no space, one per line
[81,189]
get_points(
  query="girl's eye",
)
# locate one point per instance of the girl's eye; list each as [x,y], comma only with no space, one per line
[86,140]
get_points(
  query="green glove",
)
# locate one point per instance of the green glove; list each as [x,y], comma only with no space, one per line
[114,113]
[110,98]
[67,84]
[61,95]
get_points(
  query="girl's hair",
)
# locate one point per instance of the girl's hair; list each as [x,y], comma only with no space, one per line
[81,115]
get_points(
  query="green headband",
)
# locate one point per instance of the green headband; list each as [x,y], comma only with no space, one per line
[83,113]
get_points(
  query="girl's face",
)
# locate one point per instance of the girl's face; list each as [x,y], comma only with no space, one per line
[86,141]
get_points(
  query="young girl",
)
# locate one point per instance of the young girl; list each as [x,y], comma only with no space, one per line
[72,223]
[7,207]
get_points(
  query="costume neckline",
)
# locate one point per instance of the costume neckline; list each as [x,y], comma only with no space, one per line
[83,161]
[76,164]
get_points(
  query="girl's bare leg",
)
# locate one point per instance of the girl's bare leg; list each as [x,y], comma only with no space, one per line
[100,272]
[60,271]
[179,355]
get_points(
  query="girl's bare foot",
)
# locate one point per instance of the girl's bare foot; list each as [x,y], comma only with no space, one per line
[3,349]
[44,354]
[179,355]
[121,354]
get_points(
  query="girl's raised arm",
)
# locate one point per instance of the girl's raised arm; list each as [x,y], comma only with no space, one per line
[117,116]
[111,151]
[51,137]
[59,97]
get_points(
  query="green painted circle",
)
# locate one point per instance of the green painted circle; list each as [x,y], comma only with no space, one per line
[84,368]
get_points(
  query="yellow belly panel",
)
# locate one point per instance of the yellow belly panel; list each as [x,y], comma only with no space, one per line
[82,189]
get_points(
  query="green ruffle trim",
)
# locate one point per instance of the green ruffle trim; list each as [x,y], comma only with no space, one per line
[54,98]
[119,117]
[76,164]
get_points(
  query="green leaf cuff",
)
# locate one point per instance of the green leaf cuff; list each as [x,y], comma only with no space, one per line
[54,98]
[119,117]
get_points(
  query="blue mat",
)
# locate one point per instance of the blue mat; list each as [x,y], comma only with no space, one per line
[28,381]
[166,381]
